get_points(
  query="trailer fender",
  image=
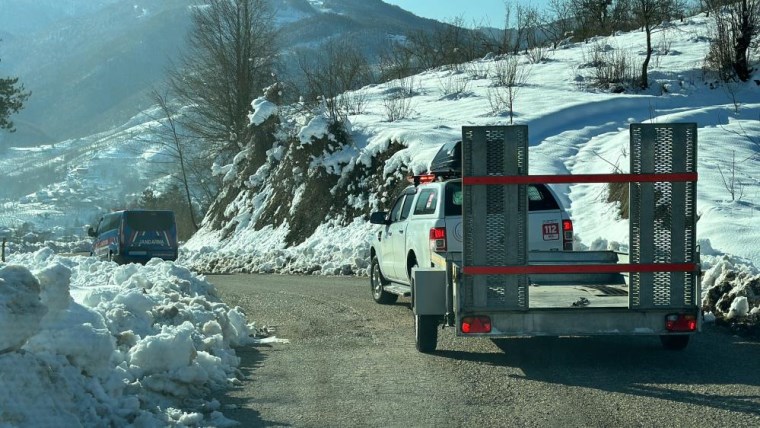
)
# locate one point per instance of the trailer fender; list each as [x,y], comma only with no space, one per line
[429,291]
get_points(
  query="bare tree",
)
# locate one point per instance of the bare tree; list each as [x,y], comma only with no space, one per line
[732,184]
[396,62]
[737,29]
[398,103]
[518,34]
[556,22]
[340,67]
[230,59]
[447,44]
[649,14]
[591,17]
[508,77]
[175,145]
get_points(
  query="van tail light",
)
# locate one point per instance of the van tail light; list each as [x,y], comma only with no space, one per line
[438,239]
[567,235]
[680,322]
[476,324]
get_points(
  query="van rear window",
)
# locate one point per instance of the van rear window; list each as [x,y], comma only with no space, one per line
[149,220]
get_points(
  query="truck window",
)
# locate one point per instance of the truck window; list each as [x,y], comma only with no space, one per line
[396,210]
[540,198]
[407,207]
[109,222]
[426,202]
[453,198]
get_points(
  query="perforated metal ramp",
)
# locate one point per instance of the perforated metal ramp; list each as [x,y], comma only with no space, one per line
[495,217]
[663,215]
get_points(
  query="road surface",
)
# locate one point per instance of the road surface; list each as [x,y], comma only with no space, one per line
[351,363]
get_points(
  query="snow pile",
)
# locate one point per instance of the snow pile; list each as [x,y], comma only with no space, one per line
[19,306]
[731,292]
[331,250]
[93,343]
[262,109]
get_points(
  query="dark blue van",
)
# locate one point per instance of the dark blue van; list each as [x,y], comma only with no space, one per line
[135,236]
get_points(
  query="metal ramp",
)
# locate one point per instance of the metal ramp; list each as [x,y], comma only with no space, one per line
[663,215]
[663,263]
[489,239]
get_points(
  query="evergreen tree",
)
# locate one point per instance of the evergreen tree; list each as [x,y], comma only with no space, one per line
[12,98]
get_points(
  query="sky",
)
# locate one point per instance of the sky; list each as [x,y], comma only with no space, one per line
[99,344]
[479,12]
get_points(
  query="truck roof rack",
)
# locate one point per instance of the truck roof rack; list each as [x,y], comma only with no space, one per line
[448,160]
[446,164]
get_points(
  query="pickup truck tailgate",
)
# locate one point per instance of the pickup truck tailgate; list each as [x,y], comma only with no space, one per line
[454,236]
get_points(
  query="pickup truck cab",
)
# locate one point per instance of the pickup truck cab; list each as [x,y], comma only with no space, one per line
[424,225]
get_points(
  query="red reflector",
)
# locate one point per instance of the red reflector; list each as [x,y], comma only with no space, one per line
[479,324]
[680,322]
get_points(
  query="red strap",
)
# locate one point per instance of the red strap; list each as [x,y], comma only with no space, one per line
[581,178]
[559,269]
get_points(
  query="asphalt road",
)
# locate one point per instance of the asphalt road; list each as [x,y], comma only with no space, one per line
[351,363]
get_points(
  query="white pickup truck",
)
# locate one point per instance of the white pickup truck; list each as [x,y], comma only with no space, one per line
[425,223]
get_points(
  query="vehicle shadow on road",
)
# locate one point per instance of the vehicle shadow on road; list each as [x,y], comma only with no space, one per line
[237,406]
[637,366]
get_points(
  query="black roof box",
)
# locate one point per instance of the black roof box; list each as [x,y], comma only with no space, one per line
[448,160]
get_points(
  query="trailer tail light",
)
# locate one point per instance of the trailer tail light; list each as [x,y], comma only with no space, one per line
[476,324]
[567,235]
[438,239]
[681,322]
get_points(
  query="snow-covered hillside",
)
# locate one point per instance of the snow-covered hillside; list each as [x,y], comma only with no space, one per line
[573,130]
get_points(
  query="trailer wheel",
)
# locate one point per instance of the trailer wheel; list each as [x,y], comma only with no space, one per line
[426,332]
[674,343]
[377,283]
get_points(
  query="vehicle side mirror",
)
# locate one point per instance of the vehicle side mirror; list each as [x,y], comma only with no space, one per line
[91,232]
[378,217]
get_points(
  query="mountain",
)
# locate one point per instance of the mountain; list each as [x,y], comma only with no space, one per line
[91,64]
[88,67]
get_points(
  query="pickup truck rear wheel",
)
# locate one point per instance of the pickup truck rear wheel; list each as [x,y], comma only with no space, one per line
[426,332]
[378,282]
[674,343]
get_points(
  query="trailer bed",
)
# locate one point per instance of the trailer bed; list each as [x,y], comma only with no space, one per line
[578,296]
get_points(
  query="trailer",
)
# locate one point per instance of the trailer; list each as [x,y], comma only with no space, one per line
[496,288]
